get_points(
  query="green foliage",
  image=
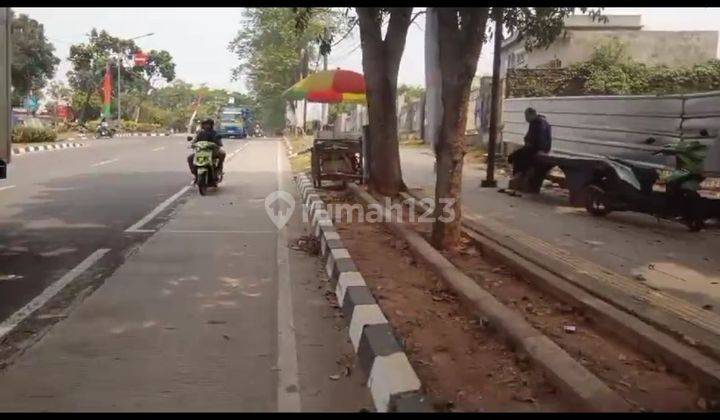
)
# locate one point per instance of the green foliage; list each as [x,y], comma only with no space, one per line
[269,46]
[411,92]
[334,110]
[541,26]
[611,71]
[35,134]
[90,60]
[33,59]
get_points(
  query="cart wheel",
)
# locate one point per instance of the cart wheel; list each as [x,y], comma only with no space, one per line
[596,201]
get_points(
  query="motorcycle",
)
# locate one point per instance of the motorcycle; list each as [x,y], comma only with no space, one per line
[258,131]
[104,132]
[207,173]
[621,186]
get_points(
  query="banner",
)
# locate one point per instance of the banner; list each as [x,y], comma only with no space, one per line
[107,93]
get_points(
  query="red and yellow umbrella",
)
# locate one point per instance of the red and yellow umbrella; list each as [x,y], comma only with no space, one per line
[329,86]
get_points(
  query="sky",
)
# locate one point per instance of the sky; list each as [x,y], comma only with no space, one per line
[198,38]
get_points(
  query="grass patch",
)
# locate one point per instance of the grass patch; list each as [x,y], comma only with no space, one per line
[300,162]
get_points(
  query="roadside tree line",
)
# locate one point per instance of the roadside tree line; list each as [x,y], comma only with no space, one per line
[461,33]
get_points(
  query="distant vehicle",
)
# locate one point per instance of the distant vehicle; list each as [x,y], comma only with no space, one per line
[233,122]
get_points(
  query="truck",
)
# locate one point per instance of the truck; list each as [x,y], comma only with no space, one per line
[233,122]
[5,86]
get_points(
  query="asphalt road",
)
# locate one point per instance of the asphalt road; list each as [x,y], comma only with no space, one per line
[60,206]
[211,311]
[664,253]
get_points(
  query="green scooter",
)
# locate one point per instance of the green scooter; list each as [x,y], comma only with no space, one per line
[207,173]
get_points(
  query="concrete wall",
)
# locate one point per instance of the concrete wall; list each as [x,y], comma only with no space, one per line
[672,48]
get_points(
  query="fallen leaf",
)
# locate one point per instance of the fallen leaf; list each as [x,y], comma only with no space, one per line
[334,377]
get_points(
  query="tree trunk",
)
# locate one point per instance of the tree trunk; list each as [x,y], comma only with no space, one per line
[83,111]
[459,48]
[381,62]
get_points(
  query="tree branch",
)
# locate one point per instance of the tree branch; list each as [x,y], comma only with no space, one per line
[397,32]
[422,12]
[352,26]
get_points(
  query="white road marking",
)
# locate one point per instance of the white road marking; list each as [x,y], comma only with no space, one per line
[136,227]
[232,155]
[15,319]
[7,187]
[259,232]
[288,392]
[157,149]
[104,162]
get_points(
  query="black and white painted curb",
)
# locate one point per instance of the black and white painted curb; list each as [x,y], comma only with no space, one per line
[145,134]
[44,147]
[393,384]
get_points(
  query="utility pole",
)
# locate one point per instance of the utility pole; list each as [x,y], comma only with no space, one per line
[324,116]
[489,181]
[119,65]
[119,114]
[304,72]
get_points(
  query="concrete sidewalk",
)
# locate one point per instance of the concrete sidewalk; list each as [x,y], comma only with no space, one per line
[659,253]
[212,313]
[654,269]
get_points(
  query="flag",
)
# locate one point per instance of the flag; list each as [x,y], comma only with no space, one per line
[107,93]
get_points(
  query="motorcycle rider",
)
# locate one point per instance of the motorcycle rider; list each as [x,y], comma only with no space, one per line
[208,133]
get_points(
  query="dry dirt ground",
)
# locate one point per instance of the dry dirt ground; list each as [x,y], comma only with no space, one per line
[463,365]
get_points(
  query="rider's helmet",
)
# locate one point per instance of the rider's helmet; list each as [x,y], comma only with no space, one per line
[207,121]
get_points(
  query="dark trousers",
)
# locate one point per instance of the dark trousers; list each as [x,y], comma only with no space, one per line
[522,159]
[217,153]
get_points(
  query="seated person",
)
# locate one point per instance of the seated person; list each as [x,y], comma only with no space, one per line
[538,139]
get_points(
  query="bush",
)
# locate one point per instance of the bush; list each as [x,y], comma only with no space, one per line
[92,126]
[147,127]
[25,134]
[611,71]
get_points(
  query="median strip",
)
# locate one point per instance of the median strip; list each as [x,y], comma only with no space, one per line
[393,383]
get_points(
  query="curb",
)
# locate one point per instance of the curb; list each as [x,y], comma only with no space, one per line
[677,356]
[573,379]
[393,384]
[44,147]
[143,134]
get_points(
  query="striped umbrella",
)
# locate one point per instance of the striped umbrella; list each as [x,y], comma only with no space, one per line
[329,86]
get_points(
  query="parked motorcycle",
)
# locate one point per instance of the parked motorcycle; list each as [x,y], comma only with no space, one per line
[104,132]
[207,173]
[621,186]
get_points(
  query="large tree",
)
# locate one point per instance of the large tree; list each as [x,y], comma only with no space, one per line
[89,62]
[159,70]
[33,59]
[381,63]
[460,36]
[91,59]
[381,56]
[273,54]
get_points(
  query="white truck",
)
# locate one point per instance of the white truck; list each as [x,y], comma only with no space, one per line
[5,86]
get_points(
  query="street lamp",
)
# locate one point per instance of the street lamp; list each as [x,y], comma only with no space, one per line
[119,63]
